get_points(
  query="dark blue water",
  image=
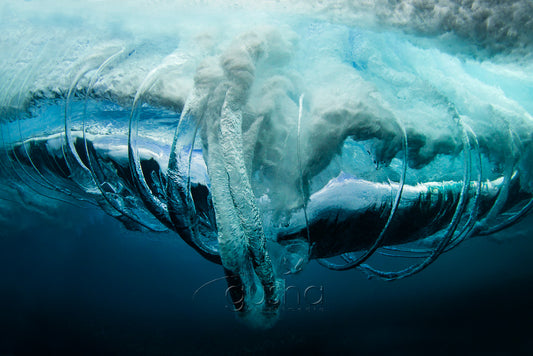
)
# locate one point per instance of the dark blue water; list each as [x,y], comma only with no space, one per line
[100,289]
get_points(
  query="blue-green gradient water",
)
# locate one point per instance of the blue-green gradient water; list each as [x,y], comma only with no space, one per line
[75,280]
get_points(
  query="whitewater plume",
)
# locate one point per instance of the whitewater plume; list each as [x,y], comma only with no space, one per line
[275,135]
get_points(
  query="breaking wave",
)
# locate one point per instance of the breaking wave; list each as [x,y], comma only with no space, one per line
[266,137]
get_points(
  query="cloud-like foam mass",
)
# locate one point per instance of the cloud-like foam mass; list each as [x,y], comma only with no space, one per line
[229,122]
[497,26]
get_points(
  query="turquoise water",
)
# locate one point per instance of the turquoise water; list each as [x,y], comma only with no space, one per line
[265,137]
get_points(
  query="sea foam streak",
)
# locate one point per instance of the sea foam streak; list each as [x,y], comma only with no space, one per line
[271,134]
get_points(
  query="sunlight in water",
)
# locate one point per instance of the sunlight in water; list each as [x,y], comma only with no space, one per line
[269,135]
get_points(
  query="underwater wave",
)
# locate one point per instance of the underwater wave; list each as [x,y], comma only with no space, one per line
[267,137]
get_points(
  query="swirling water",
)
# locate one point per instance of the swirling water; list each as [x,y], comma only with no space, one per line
[83,282]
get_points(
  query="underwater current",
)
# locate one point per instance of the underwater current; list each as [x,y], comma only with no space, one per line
[267,177]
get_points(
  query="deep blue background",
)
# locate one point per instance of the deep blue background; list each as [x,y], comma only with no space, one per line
[98,288]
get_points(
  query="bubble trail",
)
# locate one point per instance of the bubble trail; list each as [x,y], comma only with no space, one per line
[275,139]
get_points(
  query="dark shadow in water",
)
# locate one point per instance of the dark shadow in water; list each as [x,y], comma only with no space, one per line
[101,289]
